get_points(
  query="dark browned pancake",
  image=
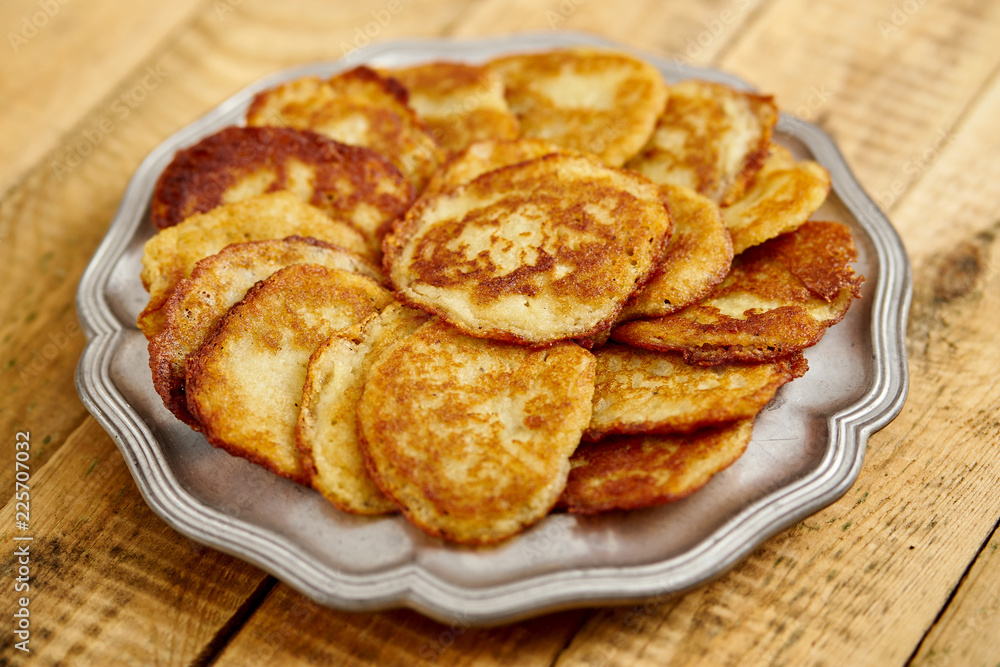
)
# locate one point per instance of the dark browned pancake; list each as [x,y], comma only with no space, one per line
[632,472]
[779,298]
[357,107]
[349,183]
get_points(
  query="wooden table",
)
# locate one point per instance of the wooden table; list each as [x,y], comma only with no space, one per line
[904,568]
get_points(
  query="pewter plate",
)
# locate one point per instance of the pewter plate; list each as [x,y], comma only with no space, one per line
[807,449]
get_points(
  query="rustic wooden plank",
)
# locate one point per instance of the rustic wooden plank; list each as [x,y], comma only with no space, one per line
[967,632]
[954,243]
[290,629]
[863,580]
[109,582]
[692,33]
[886,79]
[775,597]
[65,58]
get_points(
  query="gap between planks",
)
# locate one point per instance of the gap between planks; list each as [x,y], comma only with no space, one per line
[954,591]
[231,627]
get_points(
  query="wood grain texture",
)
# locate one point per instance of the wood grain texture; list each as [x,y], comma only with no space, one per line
[966,634]
[110,583]
[908,89]
[289,629]
[886,79]
[691,33]
[64,58]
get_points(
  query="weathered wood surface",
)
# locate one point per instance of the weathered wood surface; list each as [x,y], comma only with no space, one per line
[904,567]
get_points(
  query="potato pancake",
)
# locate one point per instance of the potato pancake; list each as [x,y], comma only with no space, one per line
[485,156]
[244,385]
[632,472]
[782,197]
[460,104]
[170,256]
[217,283]
[532,253]
[779,298]
[357,107]
[639,391]
[470,437]
[697,257]
[590,100]
[710,138]
[326,434]
[349,183]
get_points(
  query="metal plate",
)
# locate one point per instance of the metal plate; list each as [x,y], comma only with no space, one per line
[806,452]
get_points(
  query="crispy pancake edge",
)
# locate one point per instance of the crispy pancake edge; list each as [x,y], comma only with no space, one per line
[639,489]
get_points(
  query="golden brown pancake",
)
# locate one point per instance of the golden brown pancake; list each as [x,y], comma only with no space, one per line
[632,472]
[217,283]
[697,257]
[170,256]
[590,100]
[710,138]
[470,437]
[357,107]
[326,433]
[349,183]
[244,385]
[638,391]
[779,298]
[485,156]
[783,196]
[533,253]
[460,104]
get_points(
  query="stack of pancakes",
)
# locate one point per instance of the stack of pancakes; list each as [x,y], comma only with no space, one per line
[478,293]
